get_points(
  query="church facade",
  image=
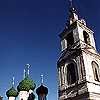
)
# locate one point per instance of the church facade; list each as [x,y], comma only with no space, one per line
[78,65]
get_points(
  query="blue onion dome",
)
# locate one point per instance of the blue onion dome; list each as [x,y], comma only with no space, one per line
[12,92]
[42,90]
[26,85]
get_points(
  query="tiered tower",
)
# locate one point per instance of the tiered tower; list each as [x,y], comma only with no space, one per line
[79,63]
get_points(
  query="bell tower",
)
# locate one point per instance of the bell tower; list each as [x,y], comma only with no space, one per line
[79,63]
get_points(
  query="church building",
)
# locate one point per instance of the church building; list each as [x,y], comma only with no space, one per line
[26,88]
[78,65]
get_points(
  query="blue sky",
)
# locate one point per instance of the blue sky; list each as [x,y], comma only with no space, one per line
[29,32]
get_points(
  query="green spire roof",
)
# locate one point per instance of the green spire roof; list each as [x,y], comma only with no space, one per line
[12,92]
[26,85]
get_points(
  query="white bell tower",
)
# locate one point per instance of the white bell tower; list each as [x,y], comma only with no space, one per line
[79,63]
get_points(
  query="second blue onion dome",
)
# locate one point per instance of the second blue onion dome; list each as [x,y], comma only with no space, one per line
[42,90]
[26,85]
[12,92]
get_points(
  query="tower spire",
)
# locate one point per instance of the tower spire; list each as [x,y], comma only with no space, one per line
[42,79]
[72,8]
[28,71]
[71,3]
[13,81]
[24,71]
[73,14]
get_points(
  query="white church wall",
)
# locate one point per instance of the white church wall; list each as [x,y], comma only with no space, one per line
[11,98]
[93,88]
[88,66]
[23,95]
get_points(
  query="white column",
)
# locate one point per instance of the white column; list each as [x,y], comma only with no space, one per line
[62,73]
[66,82]
[59,77]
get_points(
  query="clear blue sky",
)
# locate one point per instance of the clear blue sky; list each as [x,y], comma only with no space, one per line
[29,32]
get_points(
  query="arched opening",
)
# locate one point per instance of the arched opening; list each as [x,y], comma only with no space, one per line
[95,71]
[71,76]
[96,74]
[86,37]
[70,39]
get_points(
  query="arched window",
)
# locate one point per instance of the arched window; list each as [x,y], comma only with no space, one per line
[86,37]
[71,75]
[70,39]
[96,71]
[64,44]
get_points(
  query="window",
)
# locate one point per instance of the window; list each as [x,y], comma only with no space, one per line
[64,44]
[96,71]
[71,76]
[70,39]
[86,37]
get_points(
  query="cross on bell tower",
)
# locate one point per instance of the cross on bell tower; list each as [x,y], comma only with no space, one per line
[78,65]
